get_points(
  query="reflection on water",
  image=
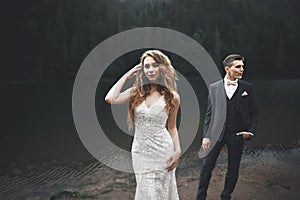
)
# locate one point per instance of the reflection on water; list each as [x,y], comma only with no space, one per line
[40,151]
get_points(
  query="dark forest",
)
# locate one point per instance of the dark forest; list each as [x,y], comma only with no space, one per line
[48,40]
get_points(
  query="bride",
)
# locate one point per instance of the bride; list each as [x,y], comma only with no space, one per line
[153,106]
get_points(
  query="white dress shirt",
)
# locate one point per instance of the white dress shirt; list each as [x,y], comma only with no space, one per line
[230,87]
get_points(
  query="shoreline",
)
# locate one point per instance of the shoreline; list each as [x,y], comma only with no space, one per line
[263,176]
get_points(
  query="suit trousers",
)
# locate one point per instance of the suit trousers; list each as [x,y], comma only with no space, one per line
[235,146]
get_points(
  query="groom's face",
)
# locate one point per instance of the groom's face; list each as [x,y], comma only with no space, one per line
[236,70]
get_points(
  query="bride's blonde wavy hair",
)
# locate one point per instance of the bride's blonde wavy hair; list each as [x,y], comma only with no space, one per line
[165,85]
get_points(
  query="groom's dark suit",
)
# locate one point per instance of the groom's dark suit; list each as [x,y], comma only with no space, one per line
[236,114]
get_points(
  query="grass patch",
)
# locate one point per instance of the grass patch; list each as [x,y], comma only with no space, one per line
[191,179]
[271,183]
[118,186]
[106,190]
[65,193]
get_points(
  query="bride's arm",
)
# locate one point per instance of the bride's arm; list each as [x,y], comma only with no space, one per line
[172,128]
[114,95]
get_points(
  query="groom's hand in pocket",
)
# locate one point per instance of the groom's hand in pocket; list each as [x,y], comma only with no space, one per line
[244,134]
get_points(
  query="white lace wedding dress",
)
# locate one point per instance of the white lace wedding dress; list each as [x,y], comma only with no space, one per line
[151,147]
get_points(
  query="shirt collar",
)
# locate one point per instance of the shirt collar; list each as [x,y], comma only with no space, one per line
[227,80]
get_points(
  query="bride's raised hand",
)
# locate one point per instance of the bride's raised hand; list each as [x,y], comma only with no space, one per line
[133,71]
[114,95]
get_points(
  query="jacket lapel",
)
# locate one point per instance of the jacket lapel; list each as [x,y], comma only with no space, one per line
[238,92]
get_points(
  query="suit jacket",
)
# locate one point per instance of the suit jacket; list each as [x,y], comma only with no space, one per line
[217,105]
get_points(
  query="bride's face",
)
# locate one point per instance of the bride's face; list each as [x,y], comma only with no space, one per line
[151,69]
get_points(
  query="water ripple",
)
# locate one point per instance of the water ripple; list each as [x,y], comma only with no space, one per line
[38,181]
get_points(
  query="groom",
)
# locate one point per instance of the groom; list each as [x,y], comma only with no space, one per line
[232,99]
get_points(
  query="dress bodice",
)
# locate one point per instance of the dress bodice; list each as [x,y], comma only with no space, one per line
[152,118]
[152,142]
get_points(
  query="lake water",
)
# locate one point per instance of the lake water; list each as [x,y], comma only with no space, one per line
[40,150]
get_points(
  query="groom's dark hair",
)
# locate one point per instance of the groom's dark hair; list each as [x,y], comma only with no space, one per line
[230,58]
